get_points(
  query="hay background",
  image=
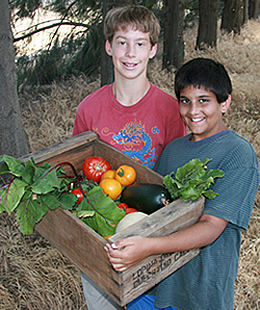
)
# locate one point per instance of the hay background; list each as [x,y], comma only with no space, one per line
[34,275]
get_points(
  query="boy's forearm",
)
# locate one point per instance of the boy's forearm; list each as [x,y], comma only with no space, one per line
[203,233]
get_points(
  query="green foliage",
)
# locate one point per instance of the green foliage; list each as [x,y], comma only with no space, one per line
[99,212]
[36,189]
[192,180]
[33,190]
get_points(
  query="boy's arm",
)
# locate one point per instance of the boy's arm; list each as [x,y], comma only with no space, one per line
[128,252]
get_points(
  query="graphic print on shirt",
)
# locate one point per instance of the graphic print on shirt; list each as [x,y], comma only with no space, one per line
[137,143]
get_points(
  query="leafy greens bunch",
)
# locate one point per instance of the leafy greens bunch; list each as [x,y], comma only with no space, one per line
[192,180]
[36,189]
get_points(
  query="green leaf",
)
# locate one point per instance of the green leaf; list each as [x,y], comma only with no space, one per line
[29,213]
[4,168]
[67,201]
[28,173]
[15,166]
[46,183]
[40,171]
[11,196]
[192,180]
[107,214]
[49,200]
[210,194]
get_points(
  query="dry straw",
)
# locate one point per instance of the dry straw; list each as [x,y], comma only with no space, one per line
[36,276]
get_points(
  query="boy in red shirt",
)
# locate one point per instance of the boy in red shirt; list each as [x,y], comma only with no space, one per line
[131,114]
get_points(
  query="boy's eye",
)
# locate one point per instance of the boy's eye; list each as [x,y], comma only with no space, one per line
[140,43]
[203,100]
[184,101]
[121,43]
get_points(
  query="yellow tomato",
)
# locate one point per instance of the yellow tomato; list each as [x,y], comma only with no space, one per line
[109,174]
[111,187]
[125,174]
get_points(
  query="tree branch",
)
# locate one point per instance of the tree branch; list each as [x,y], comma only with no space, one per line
[55,25]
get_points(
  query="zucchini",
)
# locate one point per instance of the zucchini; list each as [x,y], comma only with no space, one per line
[146,197]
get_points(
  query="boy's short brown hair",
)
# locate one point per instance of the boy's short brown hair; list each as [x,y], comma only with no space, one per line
[137,17]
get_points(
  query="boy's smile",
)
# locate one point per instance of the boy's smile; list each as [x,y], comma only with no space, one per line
[201,112]
[131,51]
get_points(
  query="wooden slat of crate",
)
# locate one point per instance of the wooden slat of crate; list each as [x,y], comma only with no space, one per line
[85,248]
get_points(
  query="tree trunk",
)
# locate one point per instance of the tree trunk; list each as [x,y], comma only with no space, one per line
[254,7]
[107,68]
[245,12]
[173,48]
[232,16]
[208,22]
[13,139]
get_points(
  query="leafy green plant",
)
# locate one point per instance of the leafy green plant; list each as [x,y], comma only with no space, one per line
[192,180]
[36,189]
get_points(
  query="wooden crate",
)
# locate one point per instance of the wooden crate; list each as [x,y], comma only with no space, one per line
[85,248]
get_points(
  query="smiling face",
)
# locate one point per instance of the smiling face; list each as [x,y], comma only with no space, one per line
[201,112]
[131,51]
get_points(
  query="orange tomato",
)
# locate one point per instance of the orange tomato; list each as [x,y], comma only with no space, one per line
[111,187]
[125,174]
[106,237]
[109,174]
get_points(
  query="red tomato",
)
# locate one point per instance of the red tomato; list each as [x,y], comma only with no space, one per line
[125,207]
[78,193]
[122,206]
[130,210]
[94,167]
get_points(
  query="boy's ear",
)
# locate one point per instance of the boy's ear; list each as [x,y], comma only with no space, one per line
[225,105]
[108,48]
[153,51]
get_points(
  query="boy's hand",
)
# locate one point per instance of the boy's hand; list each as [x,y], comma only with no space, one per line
[127,252]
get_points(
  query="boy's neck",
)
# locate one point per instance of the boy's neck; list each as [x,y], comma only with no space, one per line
[130,92]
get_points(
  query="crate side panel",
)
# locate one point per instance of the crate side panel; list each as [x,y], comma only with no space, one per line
[173,217]
[151,271]
[82,246]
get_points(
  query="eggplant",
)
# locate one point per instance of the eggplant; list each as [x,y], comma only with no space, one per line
[146,197]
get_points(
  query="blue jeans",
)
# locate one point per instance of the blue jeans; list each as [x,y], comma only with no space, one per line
[145,302]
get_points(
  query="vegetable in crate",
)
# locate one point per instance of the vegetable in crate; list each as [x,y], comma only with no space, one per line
[125,207]
[192,180]
[111,187]
[126,175]
[129,220]
[146,197]
[94,167]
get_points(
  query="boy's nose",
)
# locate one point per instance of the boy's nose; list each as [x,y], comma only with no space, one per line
[194,108]
[130,51]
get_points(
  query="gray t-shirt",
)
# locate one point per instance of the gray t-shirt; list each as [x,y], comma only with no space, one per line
[207,281]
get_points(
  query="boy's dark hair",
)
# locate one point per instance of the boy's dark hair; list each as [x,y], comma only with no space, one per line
[204,72]
[137,17]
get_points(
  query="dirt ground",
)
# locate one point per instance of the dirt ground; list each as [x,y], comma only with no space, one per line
[33,274]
